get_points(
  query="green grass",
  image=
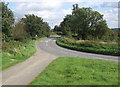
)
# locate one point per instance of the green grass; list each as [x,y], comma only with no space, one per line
[53,35]
[90,46]
[78,71]
[17,52]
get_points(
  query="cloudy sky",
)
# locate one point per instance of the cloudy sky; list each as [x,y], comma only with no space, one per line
[53,11]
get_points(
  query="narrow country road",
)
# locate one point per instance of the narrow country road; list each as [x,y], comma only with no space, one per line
[47,50]
[49,45]
[23,73]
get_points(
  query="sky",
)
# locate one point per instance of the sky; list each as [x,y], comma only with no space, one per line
[53,11]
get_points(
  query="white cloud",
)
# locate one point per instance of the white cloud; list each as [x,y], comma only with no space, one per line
[53,14]
[106,4]
[37,6]
[111,17]
[51,11]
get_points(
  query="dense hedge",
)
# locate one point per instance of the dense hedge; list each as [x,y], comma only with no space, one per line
[90,46]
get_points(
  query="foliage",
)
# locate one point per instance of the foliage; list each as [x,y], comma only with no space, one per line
[17,45]
[18,51]
[57,29]
[7,20]
[78,71]
[35,26]
[86,24]
[111,35]
[19,31]
[31,25]
[90,46]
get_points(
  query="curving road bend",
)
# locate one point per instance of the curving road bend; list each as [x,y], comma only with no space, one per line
[23,73]
[49,45]
[47,50]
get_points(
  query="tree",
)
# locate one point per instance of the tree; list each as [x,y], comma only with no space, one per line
[57,28]
[84,23]
[19,31]
[111,35]
[100,30]
[75,7]
[7,20]
[89,22]
[35,25]
[46,29]
[66,25]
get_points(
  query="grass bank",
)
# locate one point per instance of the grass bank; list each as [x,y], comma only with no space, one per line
[99,47]
[78,71]
[52,35]
[17,52]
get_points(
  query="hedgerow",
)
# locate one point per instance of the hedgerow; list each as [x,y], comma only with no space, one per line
[90,46]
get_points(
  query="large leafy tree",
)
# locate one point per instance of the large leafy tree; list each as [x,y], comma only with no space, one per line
[89,22]
[66,25]
[45,29]
[35,25]
[7,20]
[83,23]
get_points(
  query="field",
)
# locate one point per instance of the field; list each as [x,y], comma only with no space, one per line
[78,71]
[99,47]
[16,51]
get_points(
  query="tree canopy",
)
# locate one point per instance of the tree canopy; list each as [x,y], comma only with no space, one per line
[35,25]
[31,25]
[89,22]
[7,20]
[84,23]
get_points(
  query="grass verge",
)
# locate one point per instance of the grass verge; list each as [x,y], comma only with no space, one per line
[17,52]
[78,71]
[90,46]
[53,35]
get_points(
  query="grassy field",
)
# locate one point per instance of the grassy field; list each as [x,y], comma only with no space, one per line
[17,52]
[99,47]
[78,71]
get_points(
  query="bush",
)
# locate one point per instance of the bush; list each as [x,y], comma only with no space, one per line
[90,46]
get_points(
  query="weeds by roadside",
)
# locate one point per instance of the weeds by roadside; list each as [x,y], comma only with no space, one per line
[16,51]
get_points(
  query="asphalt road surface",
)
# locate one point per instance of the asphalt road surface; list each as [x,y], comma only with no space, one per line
[49,45]
[47,50]
[23,73]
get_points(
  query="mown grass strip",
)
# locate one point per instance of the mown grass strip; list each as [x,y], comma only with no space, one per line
[78,71]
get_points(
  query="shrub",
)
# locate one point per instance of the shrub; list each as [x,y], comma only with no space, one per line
[90,46]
